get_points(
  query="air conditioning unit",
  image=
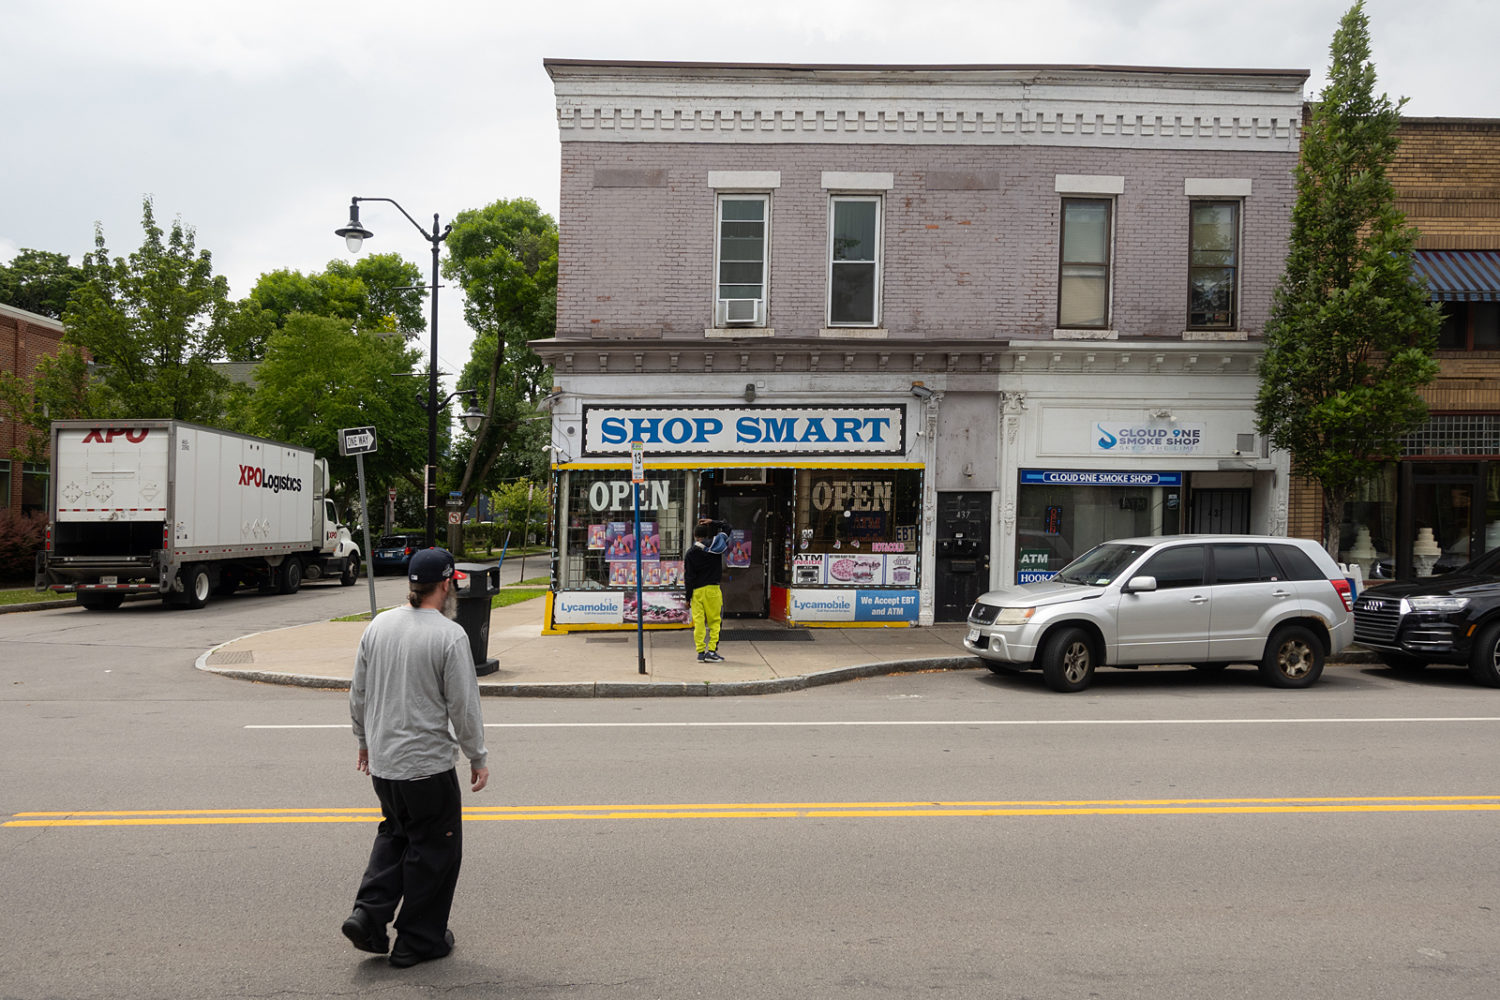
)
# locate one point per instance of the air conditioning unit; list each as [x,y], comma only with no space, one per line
[741,312]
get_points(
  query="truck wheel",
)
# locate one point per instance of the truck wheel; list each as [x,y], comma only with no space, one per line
[350,576]
[1484,656]
[1068,660]
[196,586]
[100,602]
[1293,658]
[289,578]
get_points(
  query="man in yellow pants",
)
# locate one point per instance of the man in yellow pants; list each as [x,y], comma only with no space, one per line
[702,571]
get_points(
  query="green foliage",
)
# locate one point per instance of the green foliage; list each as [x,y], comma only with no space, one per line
[40,281]
[1351,332]
[59,389]
[519,507]
[21,535]
[376,293]
[152,324]
[504,256]
[320,375]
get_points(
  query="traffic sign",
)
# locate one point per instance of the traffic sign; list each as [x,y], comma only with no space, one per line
[455,516]
[356,441]
[637,462]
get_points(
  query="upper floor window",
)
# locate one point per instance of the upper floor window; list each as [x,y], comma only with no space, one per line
[1084,271]
[1470,326]
[741,270]
[1213,265]
[854,240]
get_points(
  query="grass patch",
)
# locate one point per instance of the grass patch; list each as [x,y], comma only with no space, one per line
[25,595]
[536,581]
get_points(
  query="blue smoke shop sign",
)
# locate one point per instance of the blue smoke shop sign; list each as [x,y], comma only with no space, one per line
[1147,439]
[749,430]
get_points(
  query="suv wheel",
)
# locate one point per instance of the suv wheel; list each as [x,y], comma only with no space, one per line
[1293,658]
[1484,656]
[1068,660]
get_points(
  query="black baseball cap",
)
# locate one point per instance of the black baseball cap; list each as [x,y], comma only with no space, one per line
[430,566]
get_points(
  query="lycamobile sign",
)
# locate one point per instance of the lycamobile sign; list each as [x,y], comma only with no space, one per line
[863,430]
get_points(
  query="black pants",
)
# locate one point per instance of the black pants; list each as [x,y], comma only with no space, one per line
[418,849]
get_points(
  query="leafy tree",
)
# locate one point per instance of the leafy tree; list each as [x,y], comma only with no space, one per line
[504,256]
[320,375]
[1351,332]
[153,324]
[379,292]
[39,281]
[59,389]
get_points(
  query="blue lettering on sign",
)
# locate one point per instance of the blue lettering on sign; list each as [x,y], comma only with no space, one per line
[612,430]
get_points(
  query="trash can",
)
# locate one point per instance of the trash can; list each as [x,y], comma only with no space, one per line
[480,583]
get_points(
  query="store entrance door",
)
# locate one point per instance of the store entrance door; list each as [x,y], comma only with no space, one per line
[746,594]
[1221,512]
[963,554]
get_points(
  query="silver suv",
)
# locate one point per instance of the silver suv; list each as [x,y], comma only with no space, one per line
[1205,600]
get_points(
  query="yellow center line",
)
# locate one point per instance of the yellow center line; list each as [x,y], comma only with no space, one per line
[786,810]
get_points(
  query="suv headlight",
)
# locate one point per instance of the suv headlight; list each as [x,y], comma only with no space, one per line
[1013,616]
[1437,603]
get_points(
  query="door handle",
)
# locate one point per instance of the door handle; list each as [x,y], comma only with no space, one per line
[1197,599]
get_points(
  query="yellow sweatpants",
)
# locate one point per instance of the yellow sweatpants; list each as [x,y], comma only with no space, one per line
[708,607]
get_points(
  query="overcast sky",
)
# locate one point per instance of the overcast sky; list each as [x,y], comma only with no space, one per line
[255,122]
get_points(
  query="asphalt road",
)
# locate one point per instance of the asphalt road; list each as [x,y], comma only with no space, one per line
[1163,835]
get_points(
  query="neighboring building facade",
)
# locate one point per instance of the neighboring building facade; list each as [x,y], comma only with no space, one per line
[914,331]
[25,338]
[1447,479]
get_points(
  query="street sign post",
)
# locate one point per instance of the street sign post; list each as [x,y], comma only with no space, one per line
[359,442]
[637,480]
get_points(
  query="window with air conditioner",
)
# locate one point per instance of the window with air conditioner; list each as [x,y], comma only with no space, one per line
[743,230]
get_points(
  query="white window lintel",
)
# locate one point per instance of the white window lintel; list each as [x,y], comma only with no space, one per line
[1216,187]
[744,180]
[848,180]
[1095,184]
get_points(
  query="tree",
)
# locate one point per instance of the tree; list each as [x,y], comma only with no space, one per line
[505,258]
[39,281]
[320,375]
[1351,332]
[380,292]
[59,389]
[153,324]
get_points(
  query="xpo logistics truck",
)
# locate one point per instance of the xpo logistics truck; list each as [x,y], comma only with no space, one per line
[169,507]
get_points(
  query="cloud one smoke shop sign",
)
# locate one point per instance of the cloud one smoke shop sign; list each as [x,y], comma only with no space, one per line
[748,430]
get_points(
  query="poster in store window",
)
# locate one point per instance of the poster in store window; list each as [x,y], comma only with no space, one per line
[620,542]
[597,536]
[807,569]
[738,555]
[901,570]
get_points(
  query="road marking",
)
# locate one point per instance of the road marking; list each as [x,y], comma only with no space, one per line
[940,722]
[788,810]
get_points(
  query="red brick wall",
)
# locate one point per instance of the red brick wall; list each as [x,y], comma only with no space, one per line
[25,338]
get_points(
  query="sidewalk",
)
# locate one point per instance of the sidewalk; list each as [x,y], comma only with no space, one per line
[760,657]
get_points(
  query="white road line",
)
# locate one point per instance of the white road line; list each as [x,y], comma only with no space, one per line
[943,722]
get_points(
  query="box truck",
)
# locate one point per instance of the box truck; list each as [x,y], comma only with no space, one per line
[168,507]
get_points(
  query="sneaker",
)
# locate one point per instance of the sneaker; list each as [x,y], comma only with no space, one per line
[361,931]
[702,657]
[403,959]
[713,656]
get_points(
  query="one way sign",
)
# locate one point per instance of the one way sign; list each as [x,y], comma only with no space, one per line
[356,441]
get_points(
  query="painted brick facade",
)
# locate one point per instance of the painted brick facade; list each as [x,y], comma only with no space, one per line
[964,264]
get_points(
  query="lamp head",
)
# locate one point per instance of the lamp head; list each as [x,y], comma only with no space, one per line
[353,233]
[920,391]
[473,417]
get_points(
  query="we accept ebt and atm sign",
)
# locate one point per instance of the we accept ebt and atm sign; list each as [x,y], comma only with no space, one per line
[766,430]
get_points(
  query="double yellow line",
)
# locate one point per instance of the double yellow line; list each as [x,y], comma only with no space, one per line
[787,810]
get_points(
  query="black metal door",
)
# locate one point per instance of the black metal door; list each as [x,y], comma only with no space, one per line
[963,554]
[746,594]
[1221,512]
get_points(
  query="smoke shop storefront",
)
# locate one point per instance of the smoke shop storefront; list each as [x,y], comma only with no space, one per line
[824,509]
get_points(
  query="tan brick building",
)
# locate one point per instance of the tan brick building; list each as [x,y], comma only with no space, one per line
[1447,180]
[25,338]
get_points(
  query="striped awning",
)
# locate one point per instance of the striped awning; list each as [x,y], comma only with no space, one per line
[1461,275]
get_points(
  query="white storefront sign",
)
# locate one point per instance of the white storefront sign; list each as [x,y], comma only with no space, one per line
[758,430]
[1113,437]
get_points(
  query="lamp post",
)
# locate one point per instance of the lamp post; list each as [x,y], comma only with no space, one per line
[354,235]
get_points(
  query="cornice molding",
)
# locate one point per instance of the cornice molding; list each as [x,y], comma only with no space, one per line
[1058,107]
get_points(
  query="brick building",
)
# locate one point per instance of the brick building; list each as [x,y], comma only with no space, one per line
[25,338]
[914,331]
[1447,479]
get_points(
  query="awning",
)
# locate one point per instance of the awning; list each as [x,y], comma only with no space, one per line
[1460,275]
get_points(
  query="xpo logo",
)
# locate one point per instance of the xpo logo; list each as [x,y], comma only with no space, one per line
[251,475]
[135,435]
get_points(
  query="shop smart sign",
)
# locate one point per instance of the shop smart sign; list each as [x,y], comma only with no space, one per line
[757,430]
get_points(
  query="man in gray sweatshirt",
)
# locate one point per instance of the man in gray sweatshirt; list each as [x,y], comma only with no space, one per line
[413,680]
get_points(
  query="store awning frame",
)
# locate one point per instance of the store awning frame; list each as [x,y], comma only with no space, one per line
[1460,275]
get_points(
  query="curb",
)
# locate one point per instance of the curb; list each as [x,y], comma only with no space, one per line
[8,609]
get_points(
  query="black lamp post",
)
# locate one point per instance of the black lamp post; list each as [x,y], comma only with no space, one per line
[354,235]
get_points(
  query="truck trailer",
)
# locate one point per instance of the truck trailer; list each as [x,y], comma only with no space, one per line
[172,508]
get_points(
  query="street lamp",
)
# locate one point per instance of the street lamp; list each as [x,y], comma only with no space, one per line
[354,234]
